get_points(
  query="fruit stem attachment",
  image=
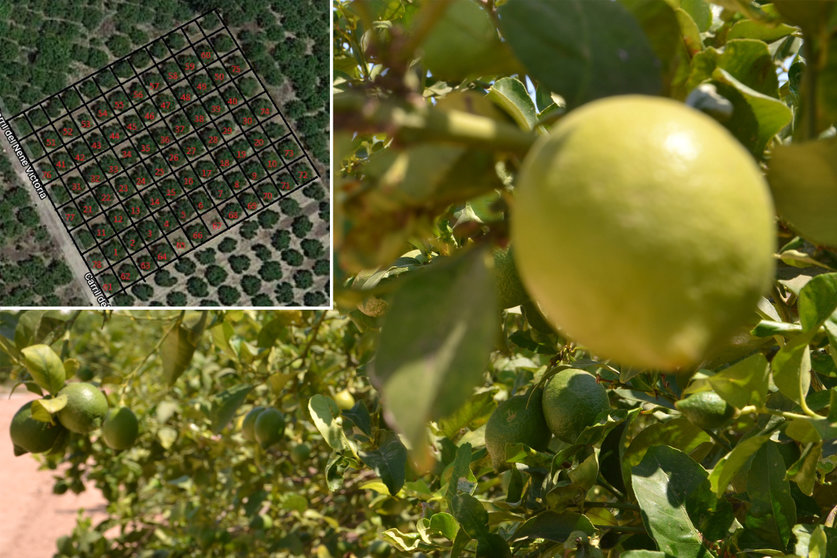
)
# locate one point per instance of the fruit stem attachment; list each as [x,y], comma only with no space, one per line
[410,124]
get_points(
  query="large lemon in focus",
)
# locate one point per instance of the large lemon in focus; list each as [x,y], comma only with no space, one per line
[644,231]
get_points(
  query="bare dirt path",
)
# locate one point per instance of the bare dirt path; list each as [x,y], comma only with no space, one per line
[31,516]
[50,219]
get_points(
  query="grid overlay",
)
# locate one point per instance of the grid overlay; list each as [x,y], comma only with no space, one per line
[153,166]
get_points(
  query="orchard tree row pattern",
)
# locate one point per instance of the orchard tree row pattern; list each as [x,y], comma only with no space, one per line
[173,144]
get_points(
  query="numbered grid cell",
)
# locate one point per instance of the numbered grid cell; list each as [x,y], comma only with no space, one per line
[200,200]
[132,240]
[213,222]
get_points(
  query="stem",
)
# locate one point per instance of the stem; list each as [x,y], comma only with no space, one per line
[314,330]
[718,439]
[753,410]
[424,123]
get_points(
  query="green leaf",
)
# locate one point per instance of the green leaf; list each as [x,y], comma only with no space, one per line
[553,526]
[389,461]
[444,524]
[479,406]
[770,115]
[50,406]
[772,511]
[804,471]
[729,465]
[464,43]
[461,478]
[644,554]
[817,301]
[744,383]
[226,404]
[428,361]
[662,29]
[674,494]
[45,367]
[599,47]
[699,11]
[747,61]
[678,433]
[792,368]
[510,94]
[470,514]
[760,30]
[326,417]
[176,351]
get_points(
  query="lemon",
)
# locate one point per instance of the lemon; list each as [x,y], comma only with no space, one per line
[644,231]
[300,452]
[572,401]
[249,422]
[519,419]
[510,291]
[120,429]
[269,427]
[32,435]
[86,407]
[344,399]
[802,179]
[705,409]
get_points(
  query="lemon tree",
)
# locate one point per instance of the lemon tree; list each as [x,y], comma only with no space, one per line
[677,331]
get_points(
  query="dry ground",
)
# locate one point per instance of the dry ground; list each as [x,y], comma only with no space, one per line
[31,516]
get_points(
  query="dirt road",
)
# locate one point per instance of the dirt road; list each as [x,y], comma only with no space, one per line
[50,219]
[32,517]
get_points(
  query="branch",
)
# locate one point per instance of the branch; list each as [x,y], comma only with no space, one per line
[410,124]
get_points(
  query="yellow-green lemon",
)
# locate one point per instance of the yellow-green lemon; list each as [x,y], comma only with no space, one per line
[572,401]
[644,231]
[519,419]
[32,435]
[706,409]
[86,407]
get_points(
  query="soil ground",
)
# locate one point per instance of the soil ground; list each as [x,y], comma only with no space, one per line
[32,517]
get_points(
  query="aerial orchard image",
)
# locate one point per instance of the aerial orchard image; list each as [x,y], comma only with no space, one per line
[176,176]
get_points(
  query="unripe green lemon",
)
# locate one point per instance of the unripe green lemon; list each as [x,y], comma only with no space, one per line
[644,231]
[120,429]
[249,422]
[510,291]
[269,427]
[519,419]
[32,435]
[706,409]
[572,401]
[300,452]
[802,181]
[86,407]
